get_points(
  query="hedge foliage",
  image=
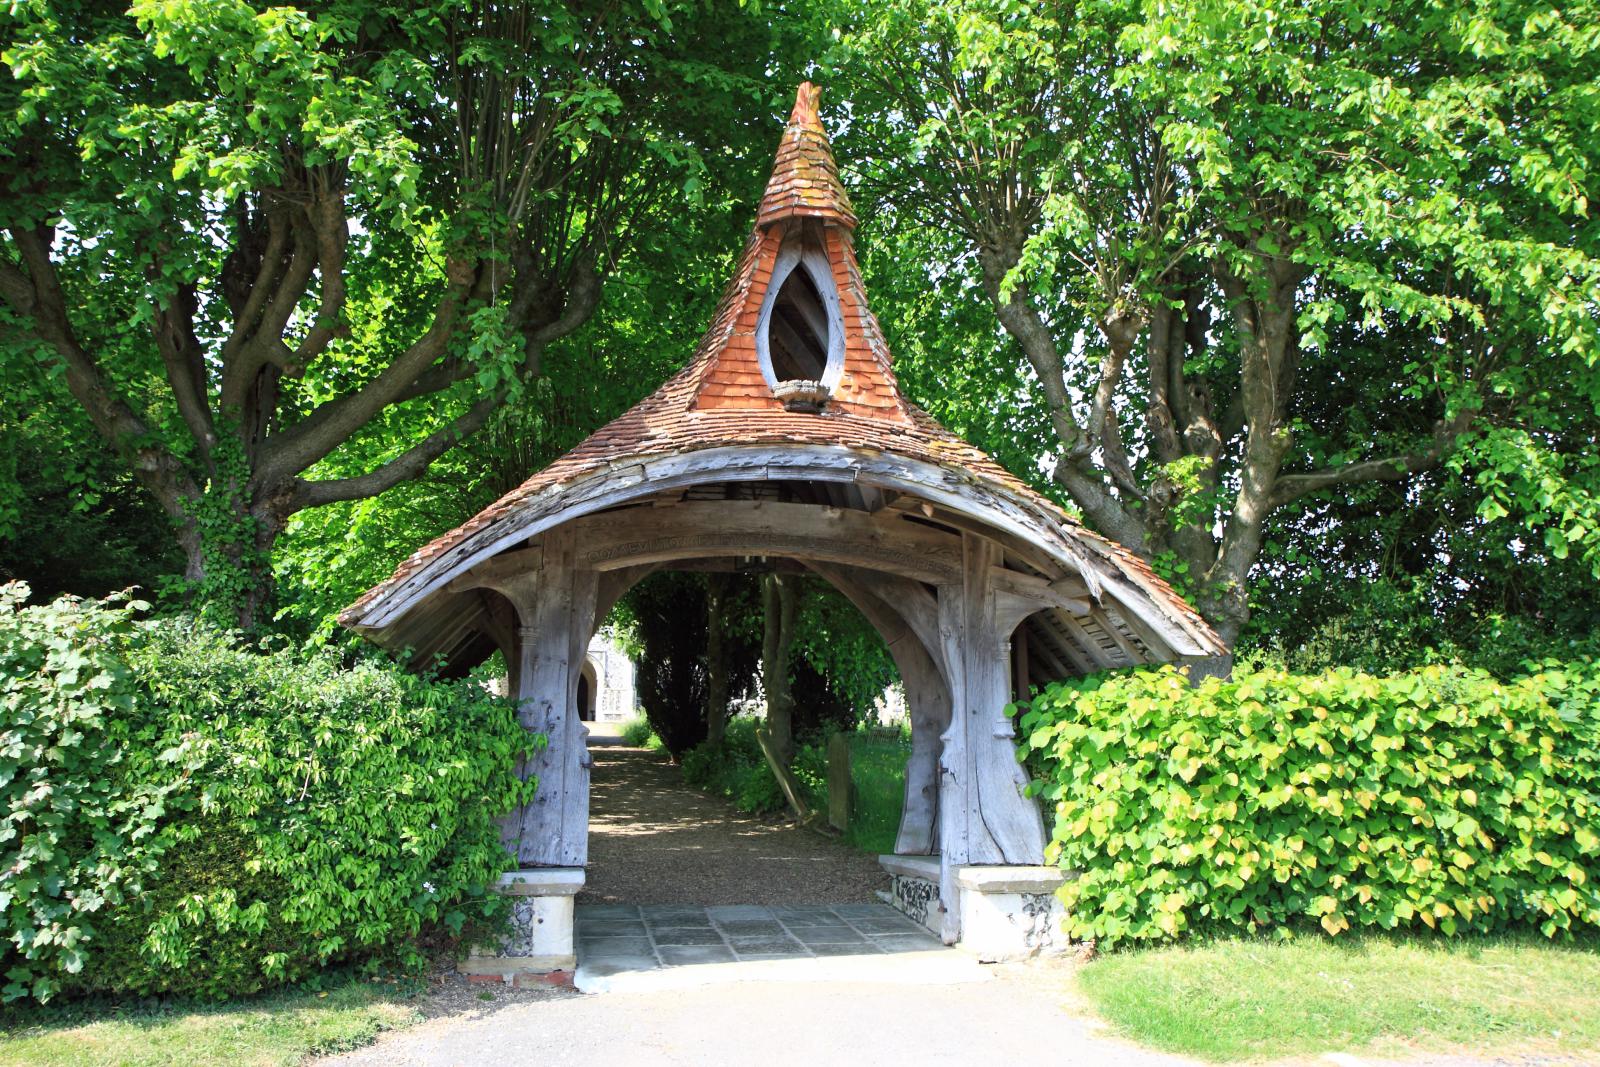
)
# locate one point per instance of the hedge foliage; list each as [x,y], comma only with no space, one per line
[1440,798]
[737,771]
[187,815]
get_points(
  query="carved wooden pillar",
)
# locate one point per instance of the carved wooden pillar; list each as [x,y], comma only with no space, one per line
[902,612]
[984,818]
[555,604]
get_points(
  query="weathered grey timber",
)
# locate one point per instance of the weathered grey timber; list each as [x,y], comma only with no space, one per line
[980,587]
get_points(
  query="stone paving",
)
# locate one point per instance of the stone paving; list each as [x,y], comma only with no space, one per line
[614,938]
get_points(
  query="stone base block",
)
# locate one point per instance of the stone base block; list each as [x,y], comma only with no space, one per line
[1011,913]
[914,889]
[541,937]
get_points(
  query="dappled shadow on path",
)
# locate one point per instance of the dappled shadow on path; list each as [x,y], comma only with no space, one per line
[655,840]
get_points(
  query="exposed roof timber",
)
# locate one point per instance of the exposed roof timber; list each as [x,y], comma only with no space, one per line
[497,568]
[1039,591]
[1022,548]
[988,509]
[1044,652]
[1112,630]
[760,528]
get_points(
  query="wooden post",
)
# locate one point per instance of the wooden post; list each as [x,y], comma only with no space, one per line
[555,605]
[839,782]
[984,818]
[906,617]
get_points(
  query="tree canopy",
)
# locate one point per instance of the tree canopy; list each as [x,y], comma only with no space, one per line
[1300,302]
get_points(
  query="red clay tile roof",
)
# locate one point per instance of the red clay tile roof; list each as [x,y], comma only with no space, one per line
[721,397]
[805,179]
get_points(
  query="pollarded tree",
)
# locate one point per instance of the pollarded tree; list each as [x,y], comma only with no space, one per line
[1194,216]
[247,236]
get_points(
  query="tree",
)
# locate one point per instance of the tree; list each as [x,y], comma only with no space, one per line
[252,240]
[1193,218]
[718,666]
[780,601]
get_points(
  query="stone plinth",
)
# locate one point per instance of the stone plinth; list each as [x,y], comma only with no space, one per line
[540,942]
[914,889]
[1011,913]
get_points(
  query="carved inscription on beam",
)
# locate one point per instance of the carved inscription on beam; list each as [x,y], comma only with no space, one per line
[763,528]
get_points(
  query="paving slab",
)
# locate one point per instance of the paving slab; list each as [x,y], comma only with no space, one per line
[768,946]
[734,912]
[617,946]
[694,955]
[683,947]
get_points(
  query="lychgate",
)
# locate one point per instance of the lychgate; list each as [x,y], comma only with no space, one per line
[787,437]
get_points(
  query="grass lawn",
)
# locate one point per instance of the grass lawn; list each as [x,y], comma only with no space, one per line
[1244,999]
[280,1028]
[878,781]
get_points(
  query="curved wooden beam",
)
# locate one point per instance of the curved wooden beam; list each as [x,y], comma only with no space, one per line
[1002,516]
[755,528]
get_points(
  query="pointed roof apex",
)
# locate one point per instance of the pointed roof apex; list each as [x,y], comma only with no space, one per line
[805,179]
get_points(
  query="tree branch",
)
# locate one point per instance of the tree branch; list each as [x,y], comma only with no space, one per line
[184,360]
[1395,468]
[37,296]
[409,464]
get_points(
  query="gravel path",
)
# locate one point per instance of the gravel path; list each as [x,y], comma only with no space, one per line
[655,840]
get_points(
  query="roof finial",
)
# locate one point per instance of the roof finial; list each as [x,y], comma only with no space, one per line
[805,179]
[807,101]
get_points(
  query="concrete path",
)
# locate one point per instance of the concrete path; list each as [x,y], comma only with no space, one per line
[716,938]
[1021,1017]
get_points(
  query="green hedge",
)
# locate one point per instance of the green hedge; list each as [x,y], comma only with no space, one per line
[1439,798]
[186,815]
[736,770]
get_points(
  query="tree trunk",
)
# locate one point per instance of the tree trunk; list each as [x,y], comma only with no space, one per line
[716,657]
[779,601]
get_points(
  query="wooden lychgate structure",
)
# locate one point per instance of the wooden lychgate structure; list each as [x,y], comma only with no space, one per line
[787,437]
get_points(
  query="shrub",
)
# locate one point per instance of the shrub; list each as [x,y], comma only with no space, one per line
[76,839]
[636,732]
[1440,798]
[265,812]
[737,770]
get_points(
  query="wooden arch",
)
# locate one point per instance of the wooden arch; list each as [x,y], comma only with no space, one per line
[945,570]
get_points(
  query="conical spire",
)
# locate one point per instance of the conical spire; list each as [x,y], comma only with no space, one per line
[805,180]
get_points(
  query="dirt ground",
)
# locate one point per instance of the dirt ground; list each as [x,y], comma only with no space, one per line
[655,840]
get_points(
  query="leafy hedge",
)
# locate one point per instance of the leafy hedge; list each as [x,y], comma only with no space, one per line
[736,770]
[185,815]
[1439,798]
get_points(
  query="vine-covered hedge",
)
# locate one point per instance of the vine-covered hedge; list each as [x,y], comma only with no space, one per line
[1439,798]
[186,815]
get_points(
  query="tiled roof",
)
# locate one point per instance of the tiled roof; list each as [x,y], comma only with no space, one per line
[721,397]
[805,179]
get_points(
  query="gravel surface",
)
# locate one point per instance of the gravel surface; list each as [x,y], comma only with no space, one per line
[655,840]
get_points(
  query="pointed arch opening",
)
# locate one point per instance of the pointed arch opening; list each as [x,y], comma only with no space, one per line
[800,333]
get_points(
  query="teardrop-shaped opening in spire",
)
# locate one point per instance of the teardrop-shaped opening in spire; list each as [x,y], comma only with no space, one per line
[799,330]
[800,336]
